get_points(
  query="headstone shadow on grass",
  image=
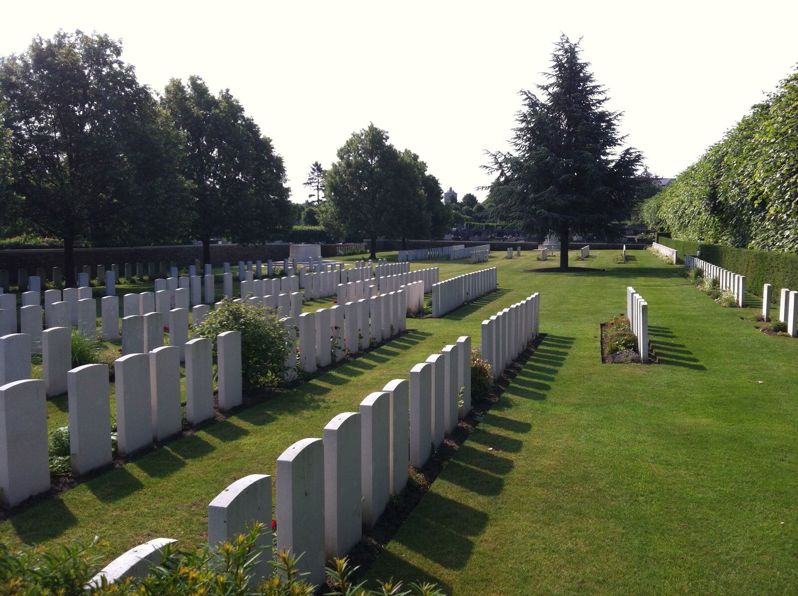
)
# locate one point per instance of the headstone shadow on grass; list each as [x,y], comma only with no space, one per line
[669,352]
[112,486]
[446,532]
[31,527]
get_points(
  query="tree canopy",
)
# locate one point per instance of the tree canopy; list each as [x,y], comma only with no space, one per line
[744,190]
[566,172]
[375,190]
[237,180]
[315,180]
[91,156]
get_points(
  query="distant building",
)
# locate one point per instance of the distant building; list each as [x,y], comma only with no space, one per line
[449,196]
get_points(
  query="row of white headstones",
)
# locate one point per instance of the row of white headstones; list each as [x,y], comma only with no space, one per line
[456,291]
[147,405]
[333,488]
[788,307]
[637,313]
[507,333]
[728,281]
[664,251]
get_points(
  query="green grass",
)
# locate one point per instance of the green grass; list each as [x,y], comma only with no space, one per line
[679,476]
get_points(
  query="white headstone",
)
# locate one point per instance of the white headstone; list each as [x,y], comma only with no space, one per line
[133,403]
[15,354]
[24,469]
[165,392]
[199,383]
[342,484]
[300,506]
[228,346]
[89,417]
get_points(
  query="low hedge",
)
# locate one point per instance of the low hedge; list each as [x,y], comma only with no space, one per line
[758,266]
[308,235]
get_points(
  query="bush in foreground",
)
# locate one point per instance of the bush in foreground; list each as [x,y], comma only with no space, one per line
[226,570]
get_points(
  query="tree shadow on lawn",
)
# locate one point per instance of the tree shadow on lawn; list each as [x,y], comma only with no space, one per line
[443,529]
[471,307]
[622,272]
[670,353]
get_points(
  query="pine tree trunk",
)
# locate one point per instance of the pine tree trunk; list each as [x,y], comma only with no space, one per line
[373,254]
[564,247]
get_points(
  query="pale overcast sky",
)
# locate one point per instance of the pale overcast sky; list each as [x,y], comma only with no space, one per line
[442,77]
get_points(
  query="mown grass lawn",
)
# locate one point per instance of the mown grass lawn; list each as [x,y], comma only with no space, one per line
[586,477]
[678,476]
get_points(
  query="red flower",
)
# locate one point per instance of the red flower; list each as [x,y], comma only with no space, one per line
[274,525]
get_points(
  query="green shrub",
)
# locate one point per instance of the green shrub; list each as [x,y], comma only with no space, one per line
[710,285]
[58,451]
[226,569]
[264,340]
[695,275]
[621,341]
[481,377]
[85,350]
[727,299]
[308,235]
[779,327]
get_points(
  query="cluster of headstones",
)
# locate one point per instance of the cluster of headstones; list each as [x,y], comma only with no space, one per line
[637,313]
[328,334]
[544,254]
[788,307]
[510,252]
[467,252]
[662,250]
[320,284]
[391,283]
[584,252]
[728,281]
[384,268]
[73,307]
[147,397]
[507,333]
[330,489]
[480,256]
[423,254]
[452,293]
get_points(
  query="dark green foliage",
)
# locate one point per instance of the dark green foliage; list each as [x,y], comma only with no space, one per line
[743,191]
[308,234]
[481,377]
[85,350]
[223,570]
[374,190]
[567,172]
[237,180]
[264,340]
[778,326]
[315,182]
[90,147]
[63,570]
[758,266]
[58,451]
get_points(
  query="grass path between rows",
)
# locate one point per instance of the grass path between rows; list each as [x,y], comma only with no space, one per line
[680,476]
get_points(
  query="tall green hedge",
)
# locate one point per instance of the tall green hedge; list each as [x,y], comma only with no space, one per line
[744,190]
[758,266]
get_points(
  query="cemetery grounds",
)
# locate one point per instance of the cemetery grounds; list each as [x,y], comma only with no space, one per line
[671,477]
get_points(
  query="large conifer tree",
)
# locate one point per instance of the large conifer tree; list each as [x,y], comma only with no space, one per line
[566,173]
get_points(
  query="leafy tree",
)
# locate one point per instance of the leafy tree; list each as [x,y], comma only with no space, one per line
[8,200]
[469,200]
[362,183]
[310,216]
[92,158]
[237,179]
[566,172]
[315,180]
